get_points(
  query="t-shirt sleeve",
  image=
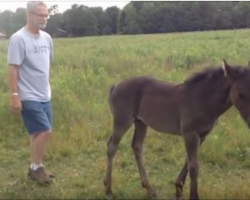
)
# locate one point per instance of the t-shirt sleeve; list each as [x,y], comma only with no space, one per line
[16,50]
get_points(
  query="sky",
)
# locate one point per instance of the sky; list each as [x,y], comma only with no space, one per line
[63,5]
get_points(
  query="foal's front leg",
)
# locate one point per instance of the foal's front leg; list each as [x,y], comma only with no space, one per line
[192,142]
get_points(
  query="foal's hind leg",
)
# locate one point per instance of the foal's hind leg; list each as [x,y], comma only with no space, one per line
[180,181]
[119,129]
[137,145]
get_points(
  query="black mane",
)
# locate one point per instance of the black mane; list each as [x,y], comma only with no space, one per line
[213,74]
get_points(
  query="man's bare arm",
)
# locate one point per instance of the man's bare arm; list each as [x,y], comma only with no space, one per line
[13,79]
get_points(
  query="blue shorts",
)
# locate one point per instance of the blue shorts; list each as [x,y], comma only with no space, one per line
[37,116]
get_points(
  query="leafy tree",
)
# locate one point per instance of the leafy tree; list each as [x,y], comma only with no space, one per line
[241,15]
[80,21]
[53,10]
[122,22]
[6,22]
[55,25]
[113,15]
[19,19]
[132,26]
[147,18]
[137,17]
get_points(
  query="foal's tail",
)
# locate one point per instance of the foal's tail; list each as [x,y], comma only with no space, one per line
[109,99]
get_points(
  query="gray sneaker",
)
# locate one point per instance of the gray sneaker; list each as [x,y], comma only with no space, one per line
[39,176]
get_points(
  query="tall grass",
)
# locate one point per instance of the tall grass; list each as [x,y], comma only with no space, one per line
[81,74]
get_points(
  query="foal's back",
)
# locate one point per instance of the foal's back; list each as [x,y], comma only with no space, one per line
[154,102]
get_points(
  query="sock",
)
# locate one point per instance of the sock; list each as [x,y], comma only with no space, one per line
[34,166]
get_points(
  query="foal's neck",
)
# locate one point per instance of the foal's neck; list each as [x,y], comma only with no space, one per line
[219,99]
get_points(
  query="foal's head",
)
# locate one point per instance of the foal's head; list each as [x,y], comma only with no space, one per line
[240,91]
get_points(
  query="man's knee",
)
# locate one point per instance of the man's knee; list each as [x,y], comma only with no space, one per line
[48,132]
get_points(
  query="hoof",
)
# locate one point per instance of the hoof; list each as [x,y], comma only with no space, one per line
[153,195]
[109,196]
[108,189]
[177,197]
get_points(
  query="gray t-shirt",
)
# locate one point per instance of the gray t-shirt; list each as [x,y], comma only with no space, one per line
[32,54]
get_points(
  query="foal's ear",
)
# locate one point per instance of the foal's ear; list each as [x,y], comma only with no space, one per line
[226,68]
[230,71]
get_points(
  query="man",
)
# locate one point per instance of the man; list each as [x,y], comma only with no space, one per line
[30,52]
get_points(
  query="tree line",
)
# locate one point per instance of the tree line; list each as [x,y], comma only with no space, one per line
[137,17]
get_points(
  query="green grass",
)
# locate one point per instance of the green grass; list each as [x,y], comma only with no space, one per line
[81,74]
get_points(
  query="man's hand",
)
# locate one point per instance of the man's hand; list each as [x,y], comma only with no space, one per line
[16,105]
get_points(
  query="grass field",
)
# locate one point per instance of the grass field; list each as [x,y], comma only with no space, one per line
[81,74]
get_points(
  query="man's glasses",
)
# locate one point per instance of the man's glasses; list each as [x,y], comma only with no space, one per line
[41,15]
